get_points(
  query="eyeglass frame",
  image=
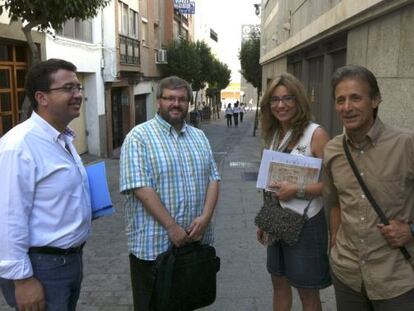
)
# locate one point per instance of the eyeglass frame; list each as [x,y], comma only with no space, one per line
[173,99]
[68,88]
[286,99]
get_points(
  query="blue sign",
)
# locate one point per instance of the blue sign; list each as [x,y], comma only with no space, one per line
[184,6]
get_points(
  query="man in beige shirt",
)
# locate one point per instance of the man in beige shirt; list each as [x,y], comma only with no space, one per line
[369,270]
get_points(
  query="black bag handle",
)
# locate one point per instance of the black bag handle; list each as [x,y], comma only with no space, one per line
[368,194]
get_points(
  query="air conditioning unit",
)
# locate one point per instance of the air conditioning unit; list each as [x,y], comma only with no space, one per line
[161,57]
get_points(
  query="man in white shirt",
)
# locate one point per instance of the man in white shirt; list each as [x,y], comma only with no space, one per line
[45,212]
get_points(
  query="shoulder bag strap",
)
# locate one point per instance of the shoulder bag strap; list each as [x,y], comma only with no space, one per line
[368,194]
[305,212]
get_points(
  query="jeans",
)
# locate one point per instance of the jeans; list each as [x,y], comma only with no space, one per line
[61,277]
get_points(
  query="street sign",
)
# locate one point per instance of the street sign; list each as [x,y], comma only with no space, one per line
[184,6]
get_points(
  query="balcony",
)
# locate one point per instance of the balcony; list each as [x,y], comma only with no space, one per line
[129,51]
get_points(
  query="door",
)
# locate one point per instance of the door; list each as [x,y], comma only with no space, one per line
[7,115]
[13,69]
[338,60]
[117,127]
[79,124]
[315,86]
[140,108]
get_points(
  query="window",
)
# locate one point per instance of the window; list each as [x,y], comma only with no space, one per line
[123,18]
[129,50]
[77,29]
[144,31]
[143,8]
[127,21]
[133,24]
[176,29]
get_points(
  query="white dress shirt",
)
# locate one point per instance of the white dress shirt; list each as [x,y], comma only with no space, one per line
[44,194]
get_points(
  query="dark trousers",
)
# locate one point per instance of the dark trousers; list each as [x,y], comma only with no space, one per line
[348,299]
[142,281]
[241,117]
[236,119]
[228,116]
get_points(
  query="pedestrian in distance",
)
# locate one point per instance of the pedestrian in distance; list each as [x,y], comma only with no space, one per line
[369,270]
[171,183]
[45,211]
[229,115]
[236,111]
[242,111]
[286,126]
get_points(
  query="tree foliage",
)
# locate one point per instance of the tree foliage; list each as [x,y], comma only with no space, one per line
[206,60]
[195,63]
[183,60]
[220,75]
[249,57]
[46,14]
[251,70]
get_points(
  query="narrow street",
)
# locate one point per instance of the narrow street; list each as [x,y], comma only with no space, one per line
[243,282]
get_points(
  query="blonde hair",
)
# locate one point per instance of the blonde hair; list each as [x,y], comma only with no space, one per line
[268,122]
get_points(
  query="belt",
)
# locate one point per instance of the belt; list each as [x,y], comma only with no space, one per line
[50,250]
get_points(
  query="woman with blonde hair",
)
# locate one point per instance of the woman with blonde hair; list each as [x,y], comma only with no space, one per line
[286,127]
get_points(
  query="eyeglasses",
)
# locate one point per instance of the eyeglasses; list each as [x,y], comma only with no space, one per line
[287,100]
[68,88]
[173,99]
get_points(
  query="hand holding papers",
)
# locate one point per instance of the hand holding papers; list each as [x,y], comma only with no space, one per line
[278,166]
[98,187]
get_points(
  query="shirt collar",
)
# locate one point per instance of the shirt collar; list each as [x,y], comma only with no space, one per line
[373,134]
[167,126]
[50,130]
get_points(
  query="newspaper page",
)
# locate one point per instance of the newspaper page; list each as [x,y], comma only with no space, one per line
[278,166]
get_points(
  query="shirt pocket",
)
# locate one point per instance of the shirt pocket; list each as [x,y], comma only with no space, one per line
[388,193]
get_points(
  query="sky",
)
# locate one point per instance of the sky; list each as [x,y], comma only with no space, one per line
[226,18]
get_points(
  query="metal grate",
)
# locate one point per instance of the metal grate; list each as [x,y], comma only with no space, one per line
[254,164]
[249,176]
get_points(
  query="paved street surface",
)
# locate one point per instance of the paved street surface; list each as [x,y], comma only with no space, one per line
[243,283]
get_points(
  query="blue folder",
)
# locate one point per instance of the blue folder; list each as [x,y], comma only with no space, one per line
[99,192]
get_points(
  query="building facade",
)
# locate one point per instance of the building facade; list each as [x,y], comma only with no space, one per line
[311,38]
[118,54]
[15,59]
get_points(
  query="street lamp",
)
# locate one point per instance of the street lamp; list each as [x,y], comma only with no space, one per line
[257,8]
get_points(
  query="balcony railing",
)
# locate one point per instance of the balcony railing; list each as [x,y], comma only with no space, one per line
[129,50]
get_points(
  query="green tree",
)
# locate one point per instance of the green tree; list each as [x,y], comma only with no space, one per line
[183,60]
[206,61]
[47,14]
[195,63]
[191,61]
[219,80]
[251,69]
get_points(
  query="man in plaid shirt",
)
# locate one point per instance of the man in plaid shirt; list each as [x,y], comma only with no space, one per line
[171,183]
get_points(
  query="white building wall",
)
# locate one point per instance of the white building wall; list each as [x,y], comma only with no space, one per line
[109,31]
[87,57]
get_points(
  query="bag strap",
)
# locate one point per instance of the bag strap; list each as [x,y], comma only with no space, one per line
[305,212]
[368,194]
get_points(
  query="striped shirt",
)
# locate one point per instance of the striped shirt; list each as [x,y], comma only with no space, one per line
[178,166]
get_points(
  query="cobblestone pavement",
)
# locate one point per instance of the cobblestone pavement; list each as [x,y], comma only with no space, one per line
[243,283]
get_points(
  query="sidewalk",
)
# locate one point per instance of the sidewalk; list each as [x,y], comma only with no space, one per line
[243,282]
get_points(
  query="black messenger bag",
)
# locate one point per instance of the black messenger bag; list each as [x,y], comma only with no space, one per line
[185,278]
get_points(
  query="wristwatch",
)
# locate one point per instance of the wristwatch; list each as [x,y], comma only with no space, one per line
[301,192]
[412,229]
